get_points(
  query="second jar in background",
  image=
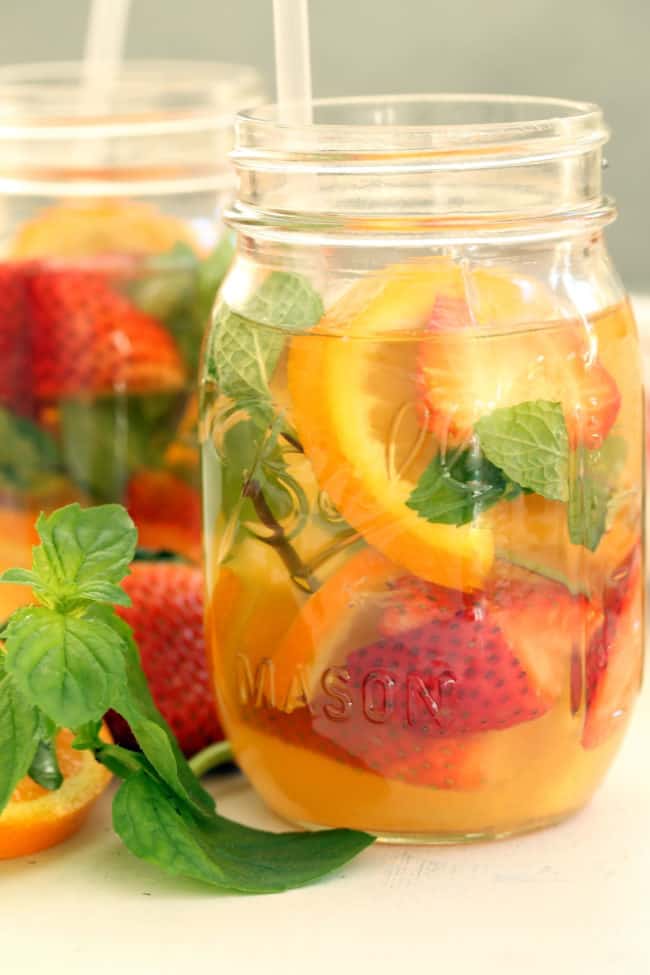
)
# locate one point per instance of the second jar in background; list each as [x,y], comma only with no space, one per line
[111,251]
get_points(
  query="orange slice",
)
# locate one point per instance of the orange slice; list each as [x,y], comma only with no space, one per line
[36,819]
[354,405]
[95,227]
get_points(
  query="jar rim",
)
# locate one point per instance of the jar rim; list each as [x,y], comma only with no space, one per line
[45,100]
[438,124]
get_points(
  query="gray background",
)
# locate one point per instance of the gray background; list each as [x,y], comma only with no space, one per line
[592,49]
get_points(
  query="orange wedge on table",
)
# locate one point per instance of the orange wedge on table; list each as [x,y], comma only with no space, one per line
[353,387]
[36,819]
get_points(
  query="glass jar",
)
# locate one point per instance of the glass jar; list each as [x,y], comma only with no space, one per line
[421,427]
[111,249]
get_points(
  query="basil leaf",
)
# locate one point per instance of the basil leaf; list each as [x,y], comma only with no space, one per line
[68,665]
[135,704]
[222,853]
[241,356]
[44,769]
[529,442]
[83,547]
[458,486]
[26,451]
[18,737]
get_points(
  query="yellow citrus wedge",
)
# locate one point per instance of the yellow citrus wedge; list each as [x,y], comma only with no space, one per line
[86,229]
[36,819]
[354,405]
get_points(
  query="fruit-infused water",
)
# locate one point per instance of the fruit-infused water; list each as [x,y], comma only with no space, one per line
[423,511]
[110,259]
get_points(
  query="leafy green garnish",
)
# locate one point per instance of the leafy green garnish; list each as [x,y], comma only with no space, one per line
[458,486]
[591,490]
[530,444]
[241,357]
[70,659]
[179,289]
[249,441]
[105,441]
[44,769]
[26,451]
[18,736]
[220,852]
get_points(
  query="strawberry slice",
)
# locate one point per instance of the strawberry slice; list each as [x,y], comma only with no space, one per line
[89,339]
[15,354]
[167,512]
[464,375]
[614,658]
[447,666]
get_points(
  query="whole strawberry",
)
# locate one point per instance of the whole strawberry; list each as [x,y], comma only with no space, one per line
[167,620]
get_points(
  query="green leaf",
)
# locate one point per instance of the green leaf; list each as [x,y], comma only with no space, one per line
[26,451]
[212,271]
[135,704]
[44,769]
[83,547]
[458,486]
[105,441]
[70,665]
[18,737]
[592,490]
[168,284]
[529,442]
[156,828]
[241,355]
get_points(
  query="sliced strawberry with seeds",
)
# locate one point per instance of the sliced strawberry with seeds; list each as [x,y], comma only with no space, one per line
[88,339]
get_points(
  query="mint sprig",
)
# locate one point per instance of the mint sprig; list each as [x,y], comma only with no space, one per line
[523,448]
[458,485]
[68,660]
[241,356]
[530,444]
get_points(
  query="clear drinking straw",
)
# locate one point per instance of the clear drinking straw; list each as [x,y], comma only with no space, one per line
[104,51]
[292,61]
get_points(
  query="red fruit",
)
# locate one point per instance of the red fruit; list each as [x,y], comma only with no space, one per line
[167,620]
[167,512]
[89,339]
[464,375]
[16,392]
[447,667]
[615,654]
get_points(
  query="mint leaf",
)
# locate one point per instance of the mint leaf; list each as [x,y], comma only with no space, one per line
[135,704]
[69,665]
[529,442]
[105,441]
[44,769]
[220,852]
[26,451]
[241,356]
[168,285]
[81,548]
[18,736]
[457,486]
[592,490]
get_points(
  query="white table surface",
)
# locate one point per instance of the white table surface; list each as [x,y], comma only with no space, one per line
[572,899]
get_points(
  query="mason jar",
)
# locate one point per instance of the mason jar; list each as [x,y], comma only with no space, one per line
[421,427]
[111,249]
